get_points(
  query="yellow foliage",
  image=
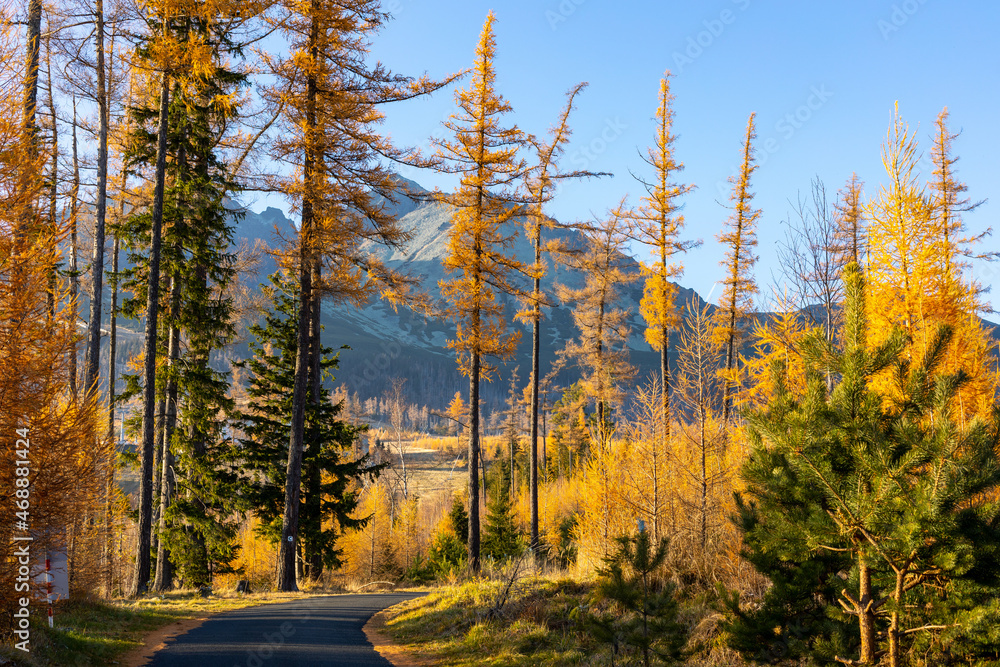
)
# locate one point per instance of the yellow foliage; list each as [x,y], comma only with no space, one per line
[369,552]
[257,560]
[54,463]
[485,154]
[915,268]
[774,341]
[658,223]
[607,509]
[601,349]
[739,236]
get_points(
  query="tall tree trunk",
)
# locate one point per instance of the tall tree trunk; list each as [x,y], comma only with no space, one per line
[74,250]
[52,220]
[665,416]
[293,477]
[142,561]
[545,436]
[113,340]
[866,616]
[895,651]
[201,562]
[535,367]
[727,399]
[158,448]
[29,123]
[112,382]
[112,435]
[97,258]
[164,578]
[702,419]
[704,498]
[313,556]
[601,417]
[473,544]
[33,43]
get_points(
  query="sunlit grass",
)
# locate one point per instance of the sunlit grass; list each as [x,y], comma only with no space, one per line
[450,626]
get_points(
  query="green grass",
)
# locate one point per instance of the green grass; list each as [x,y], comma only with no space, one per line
[538,626]
[98,633]
[535,627]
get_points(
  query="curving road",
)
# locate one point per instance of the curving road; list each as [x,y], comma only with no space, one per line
[315,632]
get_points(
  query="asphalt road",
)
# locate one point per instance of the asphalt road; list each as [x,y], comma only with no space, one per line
[315,632]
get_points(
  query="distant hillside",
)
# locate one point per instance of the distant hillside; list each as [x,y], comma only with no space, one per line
[385,344]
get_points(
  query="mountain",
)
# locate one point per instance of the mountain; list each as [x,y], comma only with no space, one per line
[385,344]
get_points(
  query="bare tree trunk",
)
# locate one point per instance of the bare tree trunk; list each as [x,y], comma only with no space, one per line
[74,251]
[866,615]
[29,124]
[158,448]
[52,221]
[535,368]
[113,342]
[665,416]
[33,43]
[112,436]
[163,580]
[97,258]
[142,561]
[312,556]
[474,454]
[727,400]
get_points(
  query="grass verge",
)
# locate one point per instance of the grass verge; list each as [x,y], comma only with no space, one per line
[453,627]
[100,632]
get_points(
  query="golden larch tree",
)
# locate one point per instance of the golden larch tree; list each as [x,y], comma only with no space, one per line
[601,350]
[541,181]
[960,297]
[51,481]
[330,99]
[901,232]
[699,449]
[739,236]
[485,154]
[917,254]
[852,237]
[657,223]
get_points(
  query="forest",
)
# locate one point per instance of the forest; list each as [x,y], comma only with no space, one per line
[810,476]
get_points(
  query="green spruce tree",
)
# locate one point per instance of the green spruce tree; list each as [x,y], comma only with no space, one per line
[636,610]
[331,494]
[195,485]
[893,497]
[501,540]
[459,518]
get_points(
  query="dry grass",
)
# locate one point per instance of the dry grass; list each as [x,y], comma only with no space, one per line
[450,627]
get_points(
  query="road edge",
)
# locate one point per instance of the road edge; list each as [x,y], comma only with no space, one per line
[385,646]
[157,639]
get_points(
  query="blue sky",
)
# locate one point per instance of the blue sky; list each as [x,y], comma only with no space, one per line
[822,77]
